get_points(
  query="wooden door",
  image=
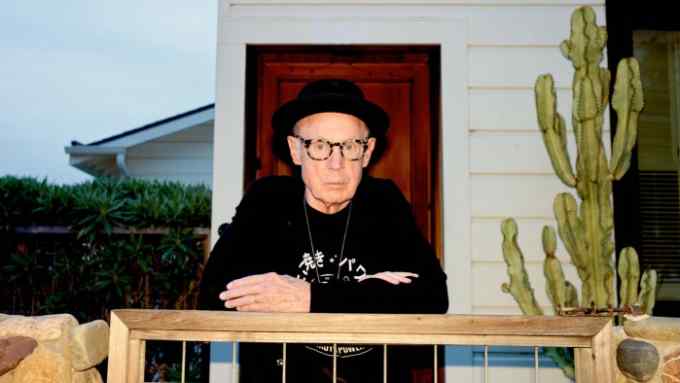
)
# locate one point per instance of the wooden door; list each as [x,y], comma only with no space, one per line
[396,78]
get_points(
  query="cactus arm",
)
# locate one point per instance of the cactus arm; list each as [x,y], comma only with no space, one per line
[647,297]
[586,41]
[628,101]
[572,233]
[563,359]
[629,272]
[519,286]
[586,112]
[553,129]
[555,286]
[572,295]
[570,228]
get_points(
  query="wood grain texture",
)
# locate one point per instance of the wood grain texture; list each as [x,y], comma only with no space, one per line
[130,328]
[118,350]
[395,324]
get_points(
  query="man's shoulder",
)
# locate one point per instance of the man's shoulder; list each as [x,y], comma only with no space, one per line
[381,191]
[273,184]
[272,189]
[373,185]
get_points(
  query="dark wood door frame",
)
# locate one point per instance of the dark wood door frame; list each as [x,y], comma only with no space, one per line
[353,60]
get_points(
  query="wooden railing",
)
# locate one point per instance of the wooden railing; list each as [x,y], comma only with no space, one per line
[590,337]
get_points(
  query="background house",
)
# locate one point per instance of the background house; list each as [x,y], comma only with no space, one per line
[177,148]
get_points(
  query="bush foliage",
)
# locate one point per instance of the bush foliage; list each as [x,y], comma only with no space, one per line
[117,243]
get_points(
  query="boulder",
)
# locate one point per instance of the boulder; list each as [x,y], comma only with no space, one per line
[63,351]
[88,376]
[637,359]
[671,367]
[89,344]
[654,328]
[13,350]
[43,366]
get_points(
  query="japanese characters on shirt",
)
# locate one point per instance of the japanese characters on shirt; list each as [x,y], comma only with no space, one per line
[329,268]
[332,268]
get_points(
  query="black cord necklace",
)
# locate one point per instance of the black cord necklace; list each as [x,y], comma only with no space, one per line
[311,241]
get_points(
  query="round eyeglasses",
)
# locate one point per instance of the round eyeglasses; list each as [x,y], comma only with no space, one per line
[320,149]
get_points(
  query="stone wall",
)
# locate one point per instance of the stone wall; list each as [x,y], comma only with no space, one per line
[63,352]
[648,350]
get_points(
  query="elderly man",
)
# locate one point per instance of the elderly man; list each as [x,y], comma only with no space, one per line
[330,239]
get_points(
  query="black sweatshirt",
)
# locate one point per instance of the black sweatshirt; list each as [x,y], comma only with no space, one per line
[270,233]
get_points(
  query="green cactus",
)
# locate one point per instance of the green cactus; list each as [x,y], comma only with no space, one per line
[629,272]
[556,286]
[647,296]
[519,286]
[585,229]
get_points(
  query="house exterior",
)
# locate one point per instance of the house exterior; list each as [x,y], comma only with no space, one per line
[177,148]
[493,164]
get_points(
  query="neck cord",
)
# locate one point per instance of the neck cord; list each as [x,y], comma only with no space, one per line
[311,241]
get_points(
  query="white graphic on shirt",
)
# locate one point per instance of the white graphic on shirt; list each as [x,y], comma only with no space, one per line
[347,270]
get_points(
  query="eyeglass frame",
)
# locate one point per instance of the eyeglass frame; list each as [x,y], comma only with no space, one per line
[307,142]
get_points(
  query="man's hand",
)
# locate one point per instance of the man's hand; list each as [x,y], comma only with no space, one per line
[393,277]
[268,292]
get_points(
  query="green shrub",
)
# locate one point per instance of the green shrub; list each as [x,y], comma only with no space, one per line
[100,245]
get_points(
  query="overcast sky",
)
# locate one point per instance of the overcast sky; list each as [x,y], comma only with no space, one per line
[84,70]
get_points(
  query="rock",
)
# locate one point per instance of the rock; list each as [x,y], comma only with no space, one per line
[43,366]
[7,378]
[671,367]
[654,328]
[89,344]
[47,327]
[637,359]
[13,350]
[87,376]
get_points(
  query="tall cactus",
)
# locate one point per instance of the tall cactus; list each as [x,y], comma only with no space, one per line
[585,229]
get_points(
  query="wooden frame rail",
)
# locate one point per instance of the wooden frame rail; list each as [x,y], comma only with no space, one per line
[591,337]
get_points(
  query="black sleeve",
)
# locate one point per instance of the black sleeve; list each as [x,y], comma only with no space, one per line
[409,251]
[229,258]
[214,280]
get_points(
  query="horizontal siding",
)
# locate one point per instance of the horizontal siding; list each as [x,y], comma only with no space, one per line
[505,31]
[513,109]
[516,153]
[519,196]
[185,156]
[516,67]
[487,278]
[486,240]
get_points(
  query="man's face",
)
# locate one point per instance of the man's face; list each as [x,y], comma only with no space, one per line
[330,184]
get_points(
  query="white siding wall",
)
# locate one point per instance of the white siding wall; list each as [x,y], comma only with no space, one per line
[185,156]
[509,43]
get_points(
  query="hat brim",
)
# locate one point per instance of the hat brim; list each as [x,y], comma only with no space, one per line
[285,118]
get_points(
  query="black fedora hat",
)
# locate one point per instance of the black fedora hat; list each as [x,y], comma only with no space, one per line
[328,95]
